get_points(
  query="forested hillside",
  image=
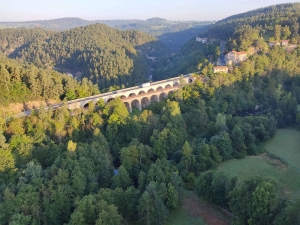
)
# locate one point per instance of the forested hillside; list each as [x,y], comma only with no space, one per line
[173,34]
[265,19]
[20,84]
[242,32]
[12,39]
[192,57]
[58,169]
[105,55]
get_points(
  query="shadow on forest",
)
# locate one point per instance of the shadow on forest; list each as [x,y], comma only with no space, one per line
[175,40]
[17,52]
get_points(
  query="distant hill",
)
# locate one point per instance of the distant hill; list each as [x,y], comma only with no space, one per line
[105,55]
[54,24]
[177,32]
[174,34]
[156,20]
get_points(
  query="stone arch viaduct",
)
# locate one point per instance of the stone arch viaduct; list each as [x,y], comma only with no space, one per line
[138,96]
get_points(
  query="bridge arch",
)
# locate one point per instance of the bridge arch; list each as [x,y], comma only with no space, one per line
[154,98]
[86,104]
[122,96]
[136,103]
[150,90]
[145,102]
[159,88]
[168,86]
[176,84]
[142,92]
[162,96]
[131,95]
[170,92]
[110,99]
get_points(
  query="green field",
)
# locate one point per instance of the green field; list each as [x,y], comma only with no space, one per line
[180,217]
[195,211]
[285,145]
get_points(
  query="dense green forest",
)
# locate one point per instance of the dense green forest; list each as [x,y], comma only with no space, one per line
[105,55]
[173,34]
[265,19]
[12,39]
[57,168]
[21,84]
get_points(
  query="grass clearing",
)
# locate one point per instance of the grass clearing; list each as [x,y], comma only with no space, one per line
[285,145]
[194,211]
[180,217]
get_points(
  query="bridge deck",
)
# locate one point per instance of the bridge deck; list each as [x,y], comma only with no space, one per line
[117,92]
[120,91]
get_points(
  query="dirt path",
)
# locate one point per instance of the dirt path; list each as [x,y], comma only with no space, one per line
[195,207]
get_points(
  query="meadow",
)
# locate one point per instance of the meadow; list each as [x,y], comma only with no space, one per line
[195,211]
[281,161]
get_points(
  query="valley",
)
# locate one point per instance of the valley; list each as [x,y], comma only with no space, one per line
[151,121]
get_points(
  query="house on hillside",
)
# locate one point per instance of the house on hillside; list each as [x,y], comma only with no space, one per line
[235,57]
[219,69]
[202,40]
[284,42]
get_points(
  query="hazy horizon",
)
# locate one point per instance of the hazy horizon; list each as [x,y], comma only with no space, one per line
[177,10]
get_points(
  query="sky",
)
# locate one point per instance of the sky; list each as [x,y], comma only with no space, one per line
[200,10]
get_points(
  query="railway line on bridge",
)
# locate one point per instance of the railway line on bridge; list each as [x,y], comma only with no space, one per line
[137,96]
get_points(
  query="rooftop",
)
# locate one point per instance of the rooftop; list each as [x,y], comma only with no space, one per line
[239,53]
[220,67]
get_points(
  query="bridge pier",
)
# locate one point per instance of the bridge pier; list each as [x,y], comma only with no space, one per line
[128,106]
